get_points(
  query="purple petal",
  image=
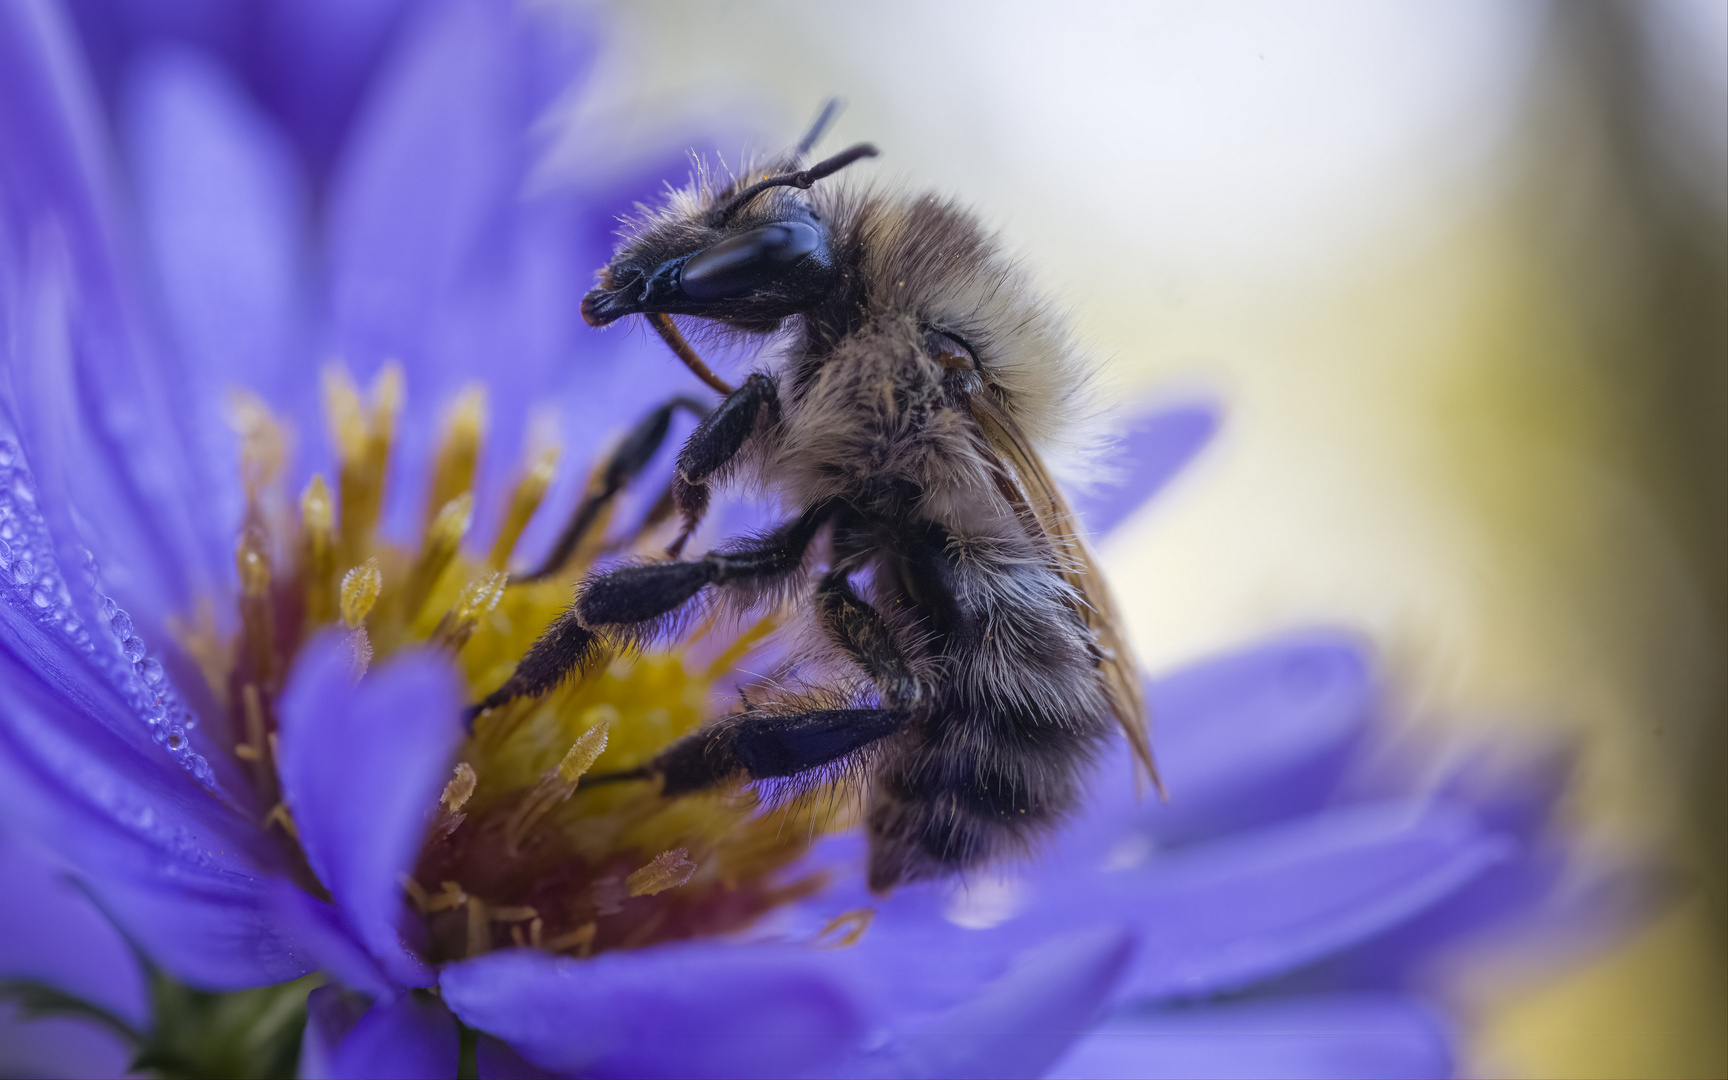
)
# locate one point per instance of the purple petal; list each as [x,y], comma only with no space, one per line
[60,1047]
[97,404]
[699,1009]
[361,767]
[1222,915]
[411,1037]
[1155,448]
[1344,1035]
[57,937]
[319,929]
[1019,1024]
[434,162]
[1243,739]
[176,869]
[317,58]
[222,209]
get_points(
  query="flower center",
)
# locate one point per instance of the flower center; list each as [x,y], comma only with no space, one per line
[516,853]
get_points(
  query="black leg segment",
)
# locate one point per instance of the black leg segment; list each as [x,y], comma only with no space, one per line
[563,649]
[627,461]
[713,445]
[859,629]
[761,745]
[639,594]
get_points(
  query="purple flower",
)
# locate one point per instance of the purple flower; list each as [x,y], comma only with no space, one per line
[228,722]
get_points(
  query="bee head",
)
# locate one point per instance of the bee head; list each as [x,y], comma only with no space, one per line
[750,255]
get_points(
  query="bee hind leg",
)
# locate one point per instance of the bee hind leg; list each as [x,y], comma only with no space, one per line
[860,630]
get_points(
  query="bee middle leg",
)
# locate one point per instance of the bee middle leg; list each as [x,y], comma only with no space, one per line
[630,600]
[636,595]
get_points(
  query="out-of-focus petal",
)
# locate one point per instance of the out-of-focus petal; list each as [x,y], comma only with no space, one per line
[1241,739]
[361,766]
[176,869]
[55,936]
[222,208]
[94,399]
[314,61]
[434,162]
[1222,915]
[1017,1025]
[320,930]
[1154,449]
[412,1037]
[1343,1035]
[697,1009]
[59,1046]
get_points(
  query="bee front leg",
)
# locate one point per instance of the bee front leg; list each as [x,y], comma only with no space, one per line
[714,444]
[628,459]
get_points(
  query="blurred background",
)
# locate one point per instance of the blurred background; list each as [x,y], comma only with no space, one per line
[1456,272]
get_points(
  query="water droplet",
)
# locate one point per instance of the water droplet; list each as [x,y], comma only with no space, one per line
[133,647]
[151,669]
[42,598]
[23,572]
[5,555]
[121,624]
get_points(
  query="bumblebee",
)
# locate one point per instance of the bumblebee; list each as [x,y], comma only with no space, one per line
[914,381]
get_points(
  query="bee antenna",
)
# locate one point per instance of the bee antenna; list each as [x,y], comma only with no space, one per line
[802,179]
[831,108]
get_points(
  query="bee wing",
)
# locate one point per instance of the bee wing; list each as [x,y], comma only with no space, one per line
[1046,514]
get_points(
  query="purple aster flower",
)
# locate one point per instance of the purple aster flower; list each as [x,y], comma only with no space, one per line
[232,760]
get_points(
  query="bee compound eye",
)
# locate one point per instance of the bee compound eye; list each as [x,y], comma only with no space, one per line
[749,260]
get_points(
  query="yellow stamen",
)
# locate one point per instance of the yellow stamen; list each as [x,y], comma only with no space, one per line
[279,815]
[453,470]
[360,588]
[479,928]
[581,939]
[460,787]
[588,747]
[252,706]
[443,537]
[559,783]
[252,559]
[359,652]
[513,913]
[416,895]
[476,599]
[262,446]
[535,929]
[450,895]
[849,926]
[523,502]
[668,870]
[318,552]
[363,443]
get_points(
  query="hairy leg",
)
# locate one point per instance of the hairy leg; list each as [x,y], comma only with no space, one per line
[631,598]
[860,629]
[627,461]
[713,445]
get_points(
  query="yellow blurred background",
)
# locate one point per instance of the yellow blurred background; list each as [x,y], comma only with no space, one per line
[1456,270]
